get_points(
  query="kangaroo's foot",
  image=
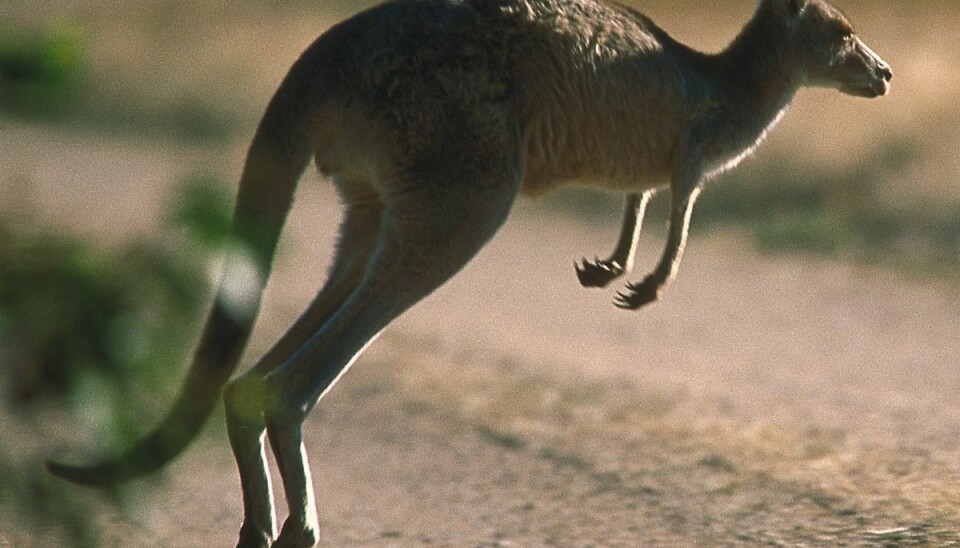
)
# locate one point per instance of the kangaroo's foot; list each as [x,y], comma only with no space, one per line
[635,296]
[296,534]
[252,537]
[598,273]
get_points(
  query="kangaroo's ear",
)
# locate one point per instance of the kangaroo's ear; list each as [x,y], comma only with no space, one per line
[796,7]
[791,8]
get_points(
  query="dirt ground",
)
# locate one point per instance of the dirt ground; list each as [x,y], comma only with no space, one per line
[765,401]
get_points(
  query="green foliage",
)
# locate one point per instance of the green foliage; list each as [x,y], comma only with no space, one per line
[98,333]
[73,309]
[40,500]
[47,75]
[202,209]
[41,73]
[838,214]
[800,232]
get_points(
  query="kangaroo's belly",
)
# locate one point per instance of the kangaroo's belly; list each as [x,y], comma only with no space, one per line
[598,151]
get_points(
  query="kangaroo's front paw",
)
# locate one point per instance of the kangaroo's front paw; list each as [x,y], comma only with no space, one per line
[598,273]
[635,296]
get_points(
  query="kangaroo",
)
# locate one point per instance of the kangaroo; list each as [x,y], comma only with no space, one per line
[431,117]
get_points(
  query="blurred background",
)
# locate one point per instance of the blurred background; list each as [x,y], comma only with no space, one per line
[123,127]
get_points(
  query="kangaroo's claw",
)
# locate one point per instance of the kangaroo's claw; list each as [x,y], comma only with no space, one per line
[597,273]
[635,296]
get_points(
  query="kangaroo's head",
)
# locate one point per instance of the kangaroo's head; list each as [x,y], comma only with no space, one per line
[829,52]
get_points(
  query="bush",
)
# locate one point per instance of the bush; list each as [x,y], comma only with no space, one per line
[98,333]
[40,72]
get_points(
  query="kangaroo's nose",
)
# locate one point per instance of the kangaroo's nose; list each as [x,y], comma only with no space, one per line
[885,75]
[885,71]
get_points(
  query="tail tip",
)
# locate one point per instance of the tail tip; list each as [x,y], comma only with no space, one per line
[63,471]
[81,475]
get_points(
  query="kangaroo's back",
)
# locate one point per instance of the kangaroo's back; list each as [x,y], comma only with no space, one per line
[597,91]
[408,83]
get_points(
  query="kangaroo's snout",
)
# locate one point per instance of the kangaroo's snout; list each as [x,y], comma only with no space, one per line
[886,76]
[881,73]
[885,71]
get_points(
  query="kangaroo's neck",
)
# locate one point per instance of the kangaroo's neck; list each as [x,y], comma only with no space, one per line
[756,71]
[754,80]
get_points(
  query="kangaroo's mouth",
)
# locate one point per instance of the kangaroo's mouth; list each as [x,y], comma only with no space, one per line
[877,85]
[875,89]
[882,88]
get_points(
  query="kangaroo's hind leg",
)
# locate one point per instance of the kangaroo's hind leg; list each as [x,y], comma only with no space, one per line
[429,231]
[244,396]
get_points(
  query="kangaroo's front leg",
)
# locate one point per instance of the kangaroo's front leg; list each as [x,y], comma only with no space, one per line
[685,187]
[599,273]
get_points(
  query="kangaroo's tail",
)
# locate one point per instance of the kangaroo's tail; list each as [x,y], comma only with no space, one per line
[280,152]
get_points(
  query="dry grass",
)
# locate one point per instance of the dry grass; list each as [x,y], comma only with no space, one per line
[831,487]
